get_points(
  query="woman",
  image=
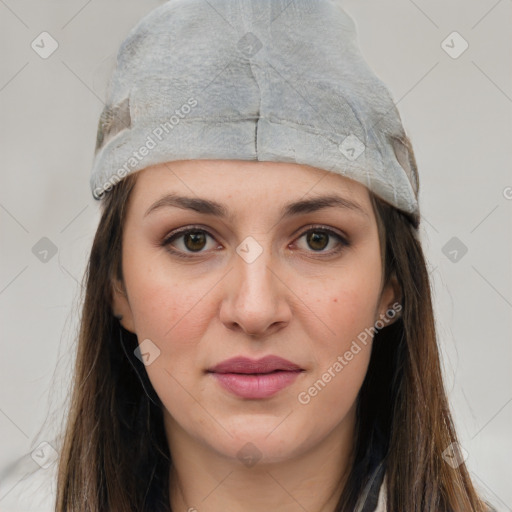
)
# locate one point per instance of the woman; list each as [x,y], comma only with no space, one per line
[257,330]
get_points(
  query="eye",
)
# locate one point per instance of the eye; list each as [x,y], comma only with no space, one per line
[193,240]
[318,238]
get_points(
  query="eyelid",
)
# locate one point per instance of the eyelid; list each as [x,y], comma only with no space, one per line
[184,230]
[322,227]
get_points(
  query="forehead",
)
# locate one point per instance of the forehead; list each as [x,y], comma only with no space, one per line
[230,180]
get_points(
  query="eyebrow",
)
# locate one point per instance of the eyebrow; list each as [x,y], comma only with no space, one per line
[216,209]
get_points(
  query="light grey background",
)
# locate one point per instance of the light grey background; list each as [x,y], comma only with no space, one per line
[457,112]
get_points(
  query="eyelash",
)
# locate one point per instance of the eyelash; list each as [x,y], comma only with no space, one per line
[177,234]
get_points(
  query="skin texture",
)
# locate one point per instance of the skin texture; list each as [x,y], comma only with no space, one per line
[290,301]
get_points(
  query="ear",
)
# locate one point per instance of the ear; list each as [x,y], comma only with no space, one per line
[391,299]
[121,307]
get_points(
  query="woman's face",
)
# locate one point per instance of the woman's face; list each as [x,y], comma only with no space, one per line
[255,277]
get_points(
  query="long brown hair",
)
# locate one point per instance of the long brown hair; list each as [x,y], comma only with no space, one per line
[115,456]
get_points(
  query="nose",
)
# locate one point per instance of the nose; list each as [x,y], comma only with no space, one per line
[256,300]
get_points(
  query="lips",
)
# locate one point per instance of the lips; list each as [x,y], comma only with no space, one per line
[252,379]
[244,365]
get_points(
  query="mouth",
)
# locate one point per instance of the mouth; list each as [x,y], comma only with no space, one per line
[244,366]
[255,379]
[255,386]
[256,373]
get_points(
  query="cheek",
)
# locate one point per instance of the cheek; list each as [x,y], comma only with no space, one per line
[166,308]
[172,313]
[345,304]
[341,362]
[346,313]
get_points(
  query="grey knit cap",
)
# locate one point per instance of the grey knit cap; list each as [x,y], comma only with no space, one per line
[267,80]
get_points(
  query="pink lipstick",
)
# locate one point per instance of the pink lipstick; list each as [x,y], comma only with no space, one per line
[255,379]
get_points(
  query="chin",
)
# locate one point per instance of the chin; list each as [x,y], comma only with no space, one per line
[263,445]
